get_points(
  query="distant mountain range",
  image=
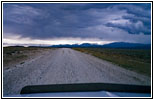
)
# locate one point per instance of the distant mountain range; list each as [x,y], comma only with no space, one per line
[127,45]
[110,45]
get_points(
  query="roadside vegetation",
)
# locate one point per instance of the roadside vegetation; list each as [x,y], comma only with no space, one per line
[138,60]
[17,54]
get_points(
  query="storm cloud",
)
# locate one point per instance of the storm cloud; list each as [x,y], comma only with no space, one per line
[125,22]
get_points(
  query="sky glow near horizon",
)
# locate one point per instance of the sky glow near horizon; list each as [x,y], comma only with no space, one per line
[75,23]
[37,42]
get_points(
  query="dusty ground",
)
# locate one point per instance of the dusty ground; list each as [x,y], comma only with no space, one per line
[66,66]
[15,55]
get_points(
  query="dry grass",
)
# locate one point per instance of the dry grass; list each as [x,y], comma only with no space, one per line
[13,55]
[138,60]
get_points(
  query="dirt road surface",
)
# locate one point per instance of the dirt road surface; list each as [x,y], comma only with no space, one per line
[65,65]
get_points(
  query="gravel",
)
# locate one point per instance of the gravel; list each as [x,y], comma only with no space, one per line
[64,65]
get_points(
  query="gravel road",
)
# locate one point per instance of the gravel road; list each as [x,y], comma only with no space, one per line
[65,65]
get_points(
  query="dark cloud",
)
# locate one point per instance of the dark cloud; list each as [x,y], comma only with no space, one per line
[87,20]
[146,29]
[141,10]
[139,17]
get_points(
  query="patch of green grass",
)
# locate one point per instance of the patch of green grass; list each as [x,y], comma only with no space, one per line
[138,60]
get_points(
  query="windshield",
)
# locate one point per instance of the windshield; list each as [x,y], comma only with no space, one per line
[69,43]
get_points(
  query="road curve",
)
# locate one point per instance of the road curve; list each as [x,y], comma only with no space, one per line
[65,65]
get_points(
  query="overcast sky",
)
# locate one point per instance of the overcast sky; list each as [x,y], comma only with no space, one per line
[69,23]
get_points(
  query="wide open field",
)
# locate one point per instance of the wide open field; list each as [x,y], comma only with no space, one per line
[65,66]
[138,60]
